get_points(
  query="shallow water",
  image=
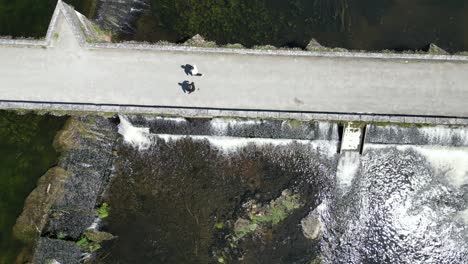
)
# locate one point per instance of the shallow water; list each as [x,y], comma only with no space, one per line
[26,153]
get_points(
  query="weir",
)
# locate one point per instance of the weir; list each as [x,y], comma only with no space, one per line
[247,142]
[395,186]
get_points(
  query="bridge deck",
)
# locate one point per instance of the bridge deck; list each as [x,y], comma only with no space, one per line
[68,72]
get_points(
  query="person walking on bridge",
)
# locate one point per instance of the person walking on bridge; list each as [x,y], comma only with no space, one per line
[195,72]
[191,70]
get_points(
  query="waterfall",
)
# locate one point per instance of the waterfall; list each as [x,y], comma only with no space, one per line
[135,136]
[119,16]
[438,135]
[238,127]
[348,166]
[225,134]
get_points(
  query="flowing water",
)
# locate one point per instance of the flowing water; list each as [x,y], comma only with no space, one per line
[26,153]
[405,203]
[177,198]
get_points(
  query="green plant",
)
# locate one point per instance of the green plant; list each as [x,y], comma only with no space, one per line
[103,210]
[219,225]
[88,245]
[61,235]
[244,230]
[83,242]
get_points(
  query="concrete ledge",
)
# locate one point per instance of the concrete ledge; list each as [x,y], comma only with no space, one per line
[70,108]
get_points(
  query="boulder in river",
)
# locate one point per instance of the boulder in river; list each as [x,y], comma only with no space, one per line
[311,226]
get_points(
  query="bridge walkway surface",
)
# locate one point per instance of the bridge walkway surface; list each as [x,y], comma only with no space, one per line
[67,71]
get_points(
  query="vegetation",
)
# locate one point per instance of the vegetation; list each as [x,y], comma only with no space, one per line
[103,211]
[88,245]
[266,216]
[277,210]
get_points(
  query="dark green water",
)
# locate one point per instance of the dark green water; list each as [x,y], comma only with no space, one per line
[361,25]
[26,153]
[31,18]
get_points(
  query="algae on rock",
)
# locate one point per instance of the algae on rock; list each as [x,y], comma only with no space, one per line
[267,215]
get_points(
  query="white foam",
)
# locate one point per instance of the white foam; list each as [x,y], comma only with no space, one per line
[172,119]
[228,144]
[449,161]
[348,166]
[324,128]
[138,137]
[95,224]
[221,125]
[444,135]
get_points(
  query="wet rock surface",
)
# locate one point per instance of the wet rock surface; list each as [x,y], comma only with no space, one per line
[89,165]
[311,226]
[64,203]
[65,252]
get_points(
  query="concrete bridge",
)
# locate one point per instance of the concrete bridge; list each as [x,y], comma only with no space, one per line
[64,71]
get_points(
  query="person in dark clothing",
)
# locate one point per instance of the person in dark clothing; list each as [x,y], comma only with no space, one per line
[191,88]
[191,70]
[187,87]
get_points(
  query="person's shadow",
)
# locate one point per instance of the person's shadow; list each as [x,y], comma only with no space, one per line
[187,69]
[187,87]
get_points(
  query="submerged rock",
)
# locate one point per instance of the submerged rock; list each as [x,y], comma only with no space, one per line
[266,216]
[98,236]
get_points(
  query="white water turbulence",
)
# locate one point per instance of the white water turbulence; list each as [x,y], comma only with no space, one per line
[230,144]
[142,139]
[348,166]
[138,137]
[406,204]
[221,125]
